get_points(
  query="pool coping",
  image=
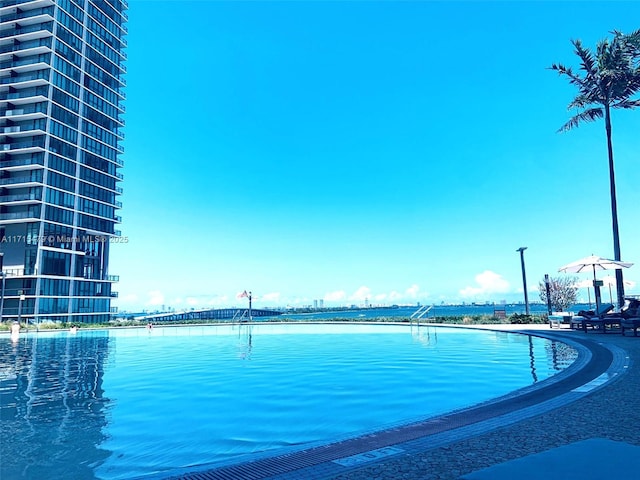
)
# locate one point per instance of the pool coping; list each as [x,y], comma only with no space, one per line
[596,366]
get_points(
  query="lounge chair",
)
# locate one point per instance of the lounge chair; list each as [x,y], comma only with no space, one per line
[595,319]
[630,324]
[631,317]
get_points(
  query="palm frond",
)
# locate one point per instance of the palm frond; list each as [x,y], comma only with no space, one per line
[585,55]
[574,79]
[581,101]
[589,115]
[602,54]
[626,87]
[630,40]
[627,104]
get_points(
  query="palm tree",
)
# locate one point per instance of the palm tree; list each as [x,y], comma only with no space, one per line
[606,80]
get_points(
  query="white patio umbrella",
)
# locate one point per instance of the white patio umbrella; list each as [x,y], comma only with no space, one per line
[593,263]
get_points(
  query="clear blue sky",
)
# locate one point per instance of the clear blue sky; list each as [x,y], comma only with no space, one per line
[398,151]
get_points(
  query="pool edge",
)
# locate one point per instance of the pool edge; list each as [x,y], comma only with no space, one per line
[604,364]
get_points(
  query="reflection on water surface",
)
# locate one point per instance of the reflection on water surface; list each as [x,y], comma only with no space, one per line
[123,403]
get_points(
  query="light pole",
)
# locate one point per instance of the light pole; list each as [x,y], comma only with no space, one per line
[3,280]
[524,279]
[22,297]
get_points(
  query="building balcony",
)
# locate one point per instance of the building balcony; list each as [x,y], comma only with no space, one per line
[28,64]
[24,129]
[29,32]
[21,131]
[34,179]
[26,112]
[21,148]
[27,17]
[24,96]
[24,5]
[19,216]
[26,80]
[21,198]
[13,272]
[33,47]
[30,163]
[28,146]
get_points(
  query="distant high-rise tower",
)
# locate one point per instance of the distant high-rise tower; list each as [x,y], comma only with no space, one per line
[61,107]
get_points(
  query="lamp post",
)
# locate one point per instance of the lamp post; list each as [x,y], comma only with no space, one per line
[3,280]
[524,279]
[22,298]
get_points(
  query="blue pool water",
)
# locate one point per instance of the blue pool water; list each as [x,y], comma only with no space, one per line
[132,402]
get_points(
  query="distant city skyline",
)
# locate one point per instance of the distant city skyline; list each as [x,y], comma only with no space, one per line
[398,151]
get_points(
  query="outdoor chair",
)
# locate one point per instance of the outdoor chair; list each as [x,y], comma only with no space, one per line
[596,319]
[631,317]
[560,318]
[630,324]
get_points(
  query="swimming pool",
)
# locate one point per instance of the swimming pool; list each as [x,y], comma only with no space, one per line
[130,402]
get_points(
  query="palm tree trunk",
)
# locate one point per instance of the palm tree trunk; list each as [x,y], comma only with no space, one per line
[614,207]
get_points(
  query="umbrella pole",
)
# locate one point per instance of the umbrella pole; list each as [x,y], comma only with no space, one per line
[596,289]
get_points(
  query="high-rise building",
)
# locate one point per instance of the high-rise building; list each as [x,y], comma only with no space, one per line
[61,107]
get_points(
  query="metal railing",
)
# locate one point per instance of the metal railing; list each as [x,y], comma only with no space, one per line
[421,312]
[13,272]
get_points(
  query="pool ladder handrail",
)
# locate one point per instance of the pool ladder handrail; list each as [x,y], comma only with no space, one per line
[421,312]
[241,316]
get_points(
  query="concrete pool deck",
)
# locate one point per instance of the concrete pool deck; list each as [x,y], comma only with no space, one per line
[576,406]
